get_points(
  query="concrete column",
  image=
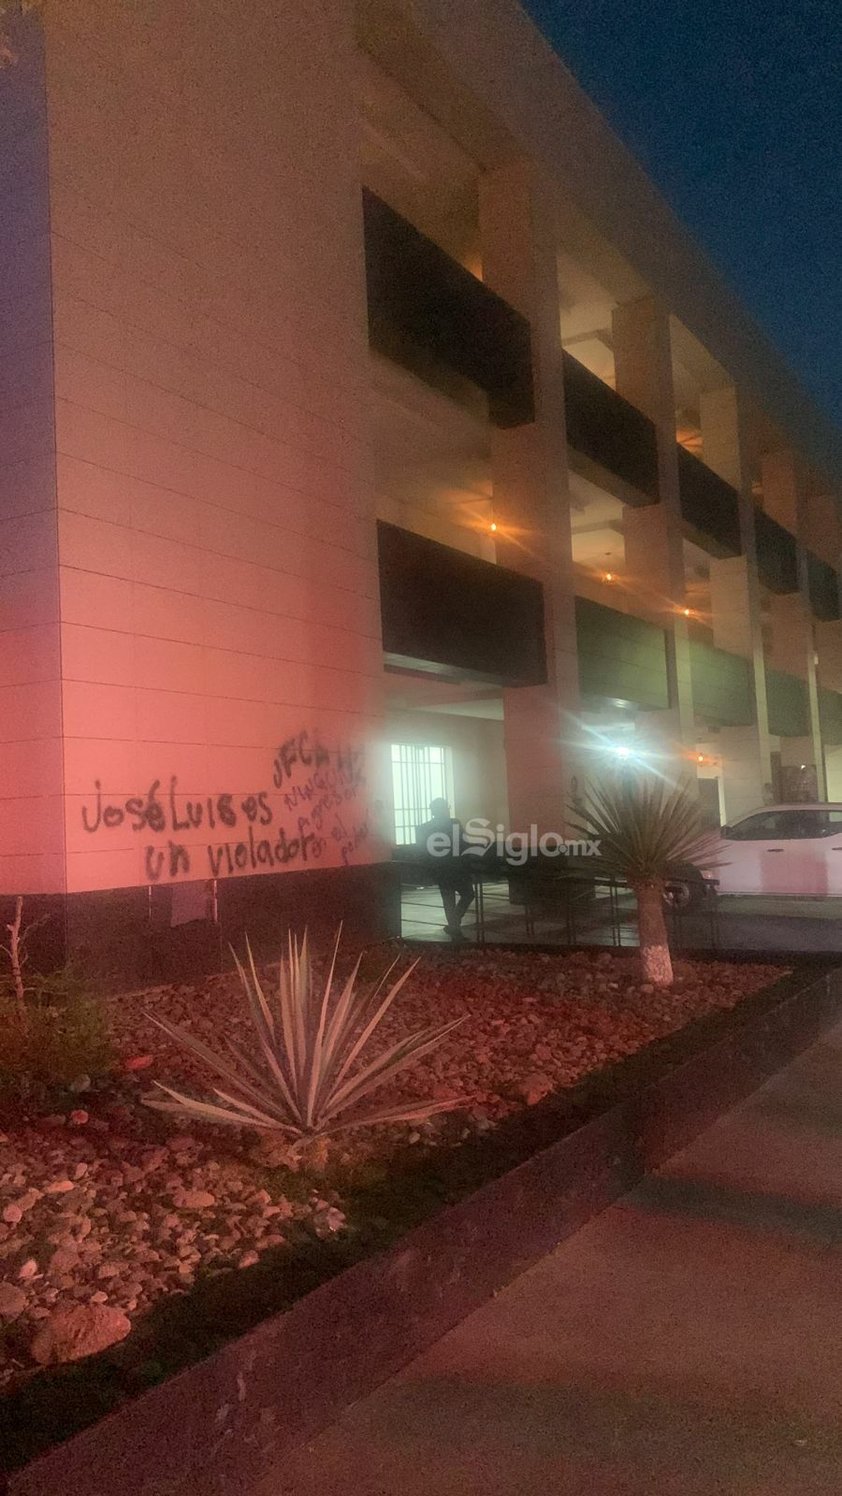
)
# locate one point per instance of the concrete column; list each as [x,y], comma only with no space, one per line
[653,535]
[731,606]
[790,634]
[742,788]
[813,682]
[658,738]
[828,638]
[829,650]
[728,450]
[823,530]
[782,482]
[723,434]
[793,644]
[544,761]
[648,577]
[833,772]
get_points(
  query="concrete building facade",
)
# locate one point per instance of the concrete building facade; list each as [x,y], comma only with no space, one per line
[369,426]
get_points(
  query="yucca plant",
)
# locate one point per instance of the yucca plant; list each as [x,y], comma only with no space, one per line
[647,829]
[308,1078]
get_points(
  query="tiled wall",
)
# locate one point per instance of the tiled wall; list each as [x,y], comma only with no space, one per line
[31,822]
[218,589]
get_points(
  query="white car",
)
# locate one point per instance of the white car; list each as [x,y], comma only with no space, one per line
[783,849]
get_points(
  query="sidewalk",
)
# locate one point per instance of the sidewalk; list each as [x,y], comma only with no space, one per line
[688,1342]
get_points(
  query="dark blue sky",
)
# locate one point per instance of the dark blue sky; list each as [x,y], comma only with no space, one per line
[734,107]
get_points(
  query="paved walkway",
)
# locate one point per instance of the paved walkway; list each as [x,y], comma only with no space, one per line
[745,924]
[688,1342]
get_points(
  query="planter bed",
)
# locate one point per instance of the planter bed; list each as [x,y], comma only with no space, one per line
[570,1080]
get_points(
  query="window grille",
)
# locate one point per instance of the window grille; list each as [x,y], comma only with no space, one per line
[420,773]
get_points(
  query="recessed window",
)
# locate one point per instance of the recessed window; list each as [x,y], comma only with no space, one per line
[421,772]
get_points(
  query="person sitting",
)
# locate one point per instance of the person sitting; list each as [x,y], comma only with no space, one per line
[454,879]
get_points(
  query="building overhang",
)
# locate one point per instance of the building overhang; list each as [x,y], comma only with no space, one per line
[500,90]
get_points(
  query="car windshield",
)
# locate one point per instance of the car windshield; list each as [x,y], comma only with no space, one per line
[788,825]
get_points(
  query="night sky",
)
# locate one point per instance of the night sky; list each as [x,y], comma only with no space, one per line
[734,108]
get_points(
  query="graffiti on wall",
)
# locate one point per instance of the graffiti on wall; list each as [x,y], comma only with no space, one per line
[311,812]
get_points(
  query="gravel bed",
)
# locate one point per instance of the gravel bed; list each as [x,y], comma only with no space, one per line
[107,1207]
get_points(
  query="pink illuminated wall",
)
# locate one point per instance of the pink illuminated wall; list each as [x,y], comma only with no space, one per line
[217,590]
[31,810]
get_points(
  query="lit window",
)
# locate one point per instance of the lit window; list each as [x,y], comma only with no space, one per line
[421,772]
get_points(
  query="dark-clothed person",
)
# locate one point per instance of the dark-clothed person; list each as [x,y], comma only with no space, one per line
[454,880]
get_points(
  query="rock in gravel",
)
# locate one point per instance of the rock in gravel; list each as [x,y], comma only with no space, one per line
[327,1220]
[29,1198]
[272,1152]
[74,1331]
[482,1123]
[59,1187]
[27,1269]
[64,1260]
[182,1143]
[196,1200]
[533,1087]
[153,1159]
[12,1215]
[12,1301]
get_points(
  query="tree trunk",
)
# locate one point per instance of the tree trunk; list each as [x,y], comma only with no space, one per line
[652,927]
[15,948]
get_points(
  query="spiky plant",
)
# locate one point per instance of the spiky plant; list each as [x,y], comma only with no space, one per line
[308,1078]
[647,829]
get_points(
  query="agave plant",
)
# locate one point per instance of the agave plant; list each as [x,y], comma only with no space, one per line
[308,1078]
[647,829]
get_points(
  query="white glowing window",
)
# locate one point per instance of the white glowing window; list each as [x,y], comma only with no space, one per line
[421,772]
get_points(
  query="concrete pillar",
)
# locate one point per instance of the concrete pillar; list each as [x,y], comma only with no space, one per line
[728,450]
[809,640]
[828,637]
[653,535]
[833,771]
[657,732]
[742,788]
[723,434]
[544,760]
[823,529]
[648,577]
[790,634]
[782,483]
[792,643]
[829,650]
[731,606]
